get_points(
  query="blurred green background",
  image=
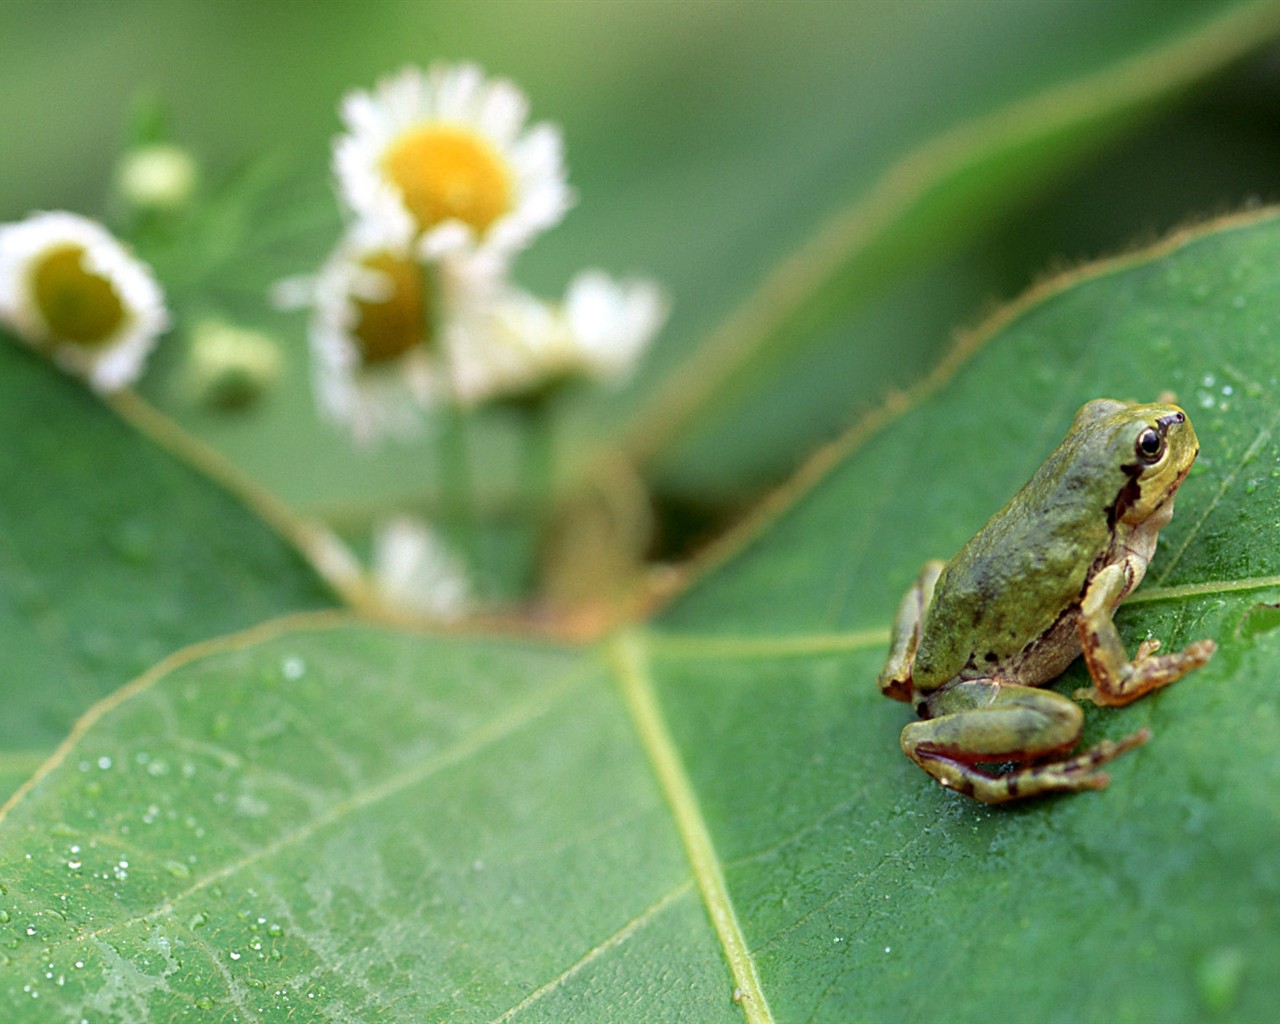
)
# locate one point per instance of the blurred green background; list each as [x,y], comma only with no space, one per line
[707,141]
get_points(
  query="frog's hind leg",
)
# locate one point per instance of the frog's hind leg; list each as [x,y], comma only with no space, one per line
[984,722]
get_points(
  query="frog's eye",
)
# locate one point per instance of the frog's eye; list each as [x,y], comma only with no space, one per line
[1150,445]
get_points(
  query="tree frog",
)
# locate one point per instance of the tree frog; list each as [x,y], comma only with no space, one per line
[1034,588]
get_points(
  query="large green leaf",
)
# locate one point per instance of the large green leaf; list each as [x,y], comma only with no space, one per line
[874,272]
[113,553]
[321,819]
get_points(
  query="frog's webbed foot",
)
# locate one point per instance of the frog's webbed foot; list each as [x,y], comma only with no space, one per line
[982,723]
[1145,673]
[1116,679]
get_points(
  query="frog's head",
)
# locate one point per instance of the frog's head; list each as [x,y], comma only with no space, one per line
[1155,446]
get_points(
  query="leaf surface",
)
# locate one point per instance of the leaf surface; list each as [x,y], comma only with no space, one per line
[327,820]
[113,553]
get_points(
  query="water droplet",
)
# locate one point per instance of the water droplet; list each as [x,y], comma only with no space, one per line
[198,920]
[293,668]
[104,762]
[204,1003]
[75,865]
[4,916]
[235,954]
[177,869]
[275,930]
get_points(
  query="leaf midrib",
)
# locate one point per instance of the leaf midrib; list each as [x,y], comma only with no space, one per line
[627,650]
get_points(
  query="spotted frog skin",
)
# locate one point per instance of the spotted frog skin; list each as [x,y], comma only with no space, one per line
[1034,588]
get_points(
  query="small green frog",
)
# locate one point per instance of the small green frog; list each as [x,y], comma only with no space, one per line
[1035,587]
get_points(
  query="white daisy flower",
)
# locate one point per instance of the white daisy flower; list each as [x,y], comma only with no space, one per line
[510,347]
[518,345]
[373,352]
[71,290]
[612,322]
[450,150]
[415,571]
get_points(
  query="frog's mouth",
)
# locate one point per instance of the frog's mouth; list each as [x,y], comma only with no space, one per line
[1163,508]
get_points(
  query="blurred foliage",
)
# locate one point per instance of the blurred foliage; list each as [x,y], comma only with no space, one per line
[708,142]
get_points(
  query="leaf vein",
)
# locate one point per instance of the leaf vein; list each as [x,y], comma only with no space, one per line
[637,688]
[611,942]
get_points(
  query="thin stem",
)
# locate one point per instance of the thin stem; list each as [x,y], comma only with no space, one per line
[457,495]
[457,488]
[538,475]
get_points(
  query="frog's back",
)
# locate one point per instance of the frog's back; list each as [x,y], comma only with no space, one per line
[1022,572]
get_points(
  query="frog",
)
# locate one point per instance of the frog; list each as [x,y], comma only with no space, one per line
[976,638]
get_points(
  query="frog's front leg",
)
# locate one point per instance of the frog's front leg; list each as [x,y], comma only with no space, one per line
[987,722]
[895,677]
[1116,679]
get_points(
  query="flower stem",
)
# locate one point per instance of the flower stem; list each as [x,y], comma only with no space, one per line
[538,477]
[456,491]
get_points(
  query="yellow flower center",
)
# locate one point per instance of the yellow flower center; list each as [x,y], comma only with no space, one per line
[447,173]
[77,305]
[388,328]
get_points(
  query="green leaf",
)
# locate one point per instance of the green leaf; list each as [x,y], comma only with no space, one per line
[323,819]
[113,553]
[856,304]
[1154,900]
[230,838]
